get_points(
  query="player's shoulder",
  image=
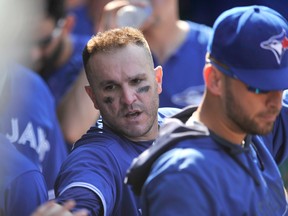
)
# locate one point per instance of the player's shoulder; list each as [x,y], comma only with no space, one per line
[26,75]
[165,112]
[172,131]
[31,83]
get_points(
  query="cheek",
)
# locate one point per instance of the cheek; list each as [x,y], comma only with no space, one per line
[108,100]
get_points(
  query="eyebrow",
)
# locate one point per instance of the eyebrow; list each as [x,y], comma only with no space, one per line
[137,76]
[107,82]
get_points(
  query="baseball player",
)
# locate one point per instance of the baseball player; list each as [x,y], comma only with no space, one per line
[124,86]
[222,156]
[29,121]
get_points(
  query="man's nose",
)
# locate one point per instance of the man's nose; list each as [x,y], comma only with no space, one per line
[128,96]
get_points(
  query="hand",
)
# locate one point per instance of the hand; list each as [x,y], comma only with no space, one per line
[109,14]
[51,208]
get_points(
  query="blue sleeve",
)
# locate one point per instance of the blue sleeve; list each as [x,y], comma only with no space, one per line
[279,136]
[89,170]
[25,194]
[85,199]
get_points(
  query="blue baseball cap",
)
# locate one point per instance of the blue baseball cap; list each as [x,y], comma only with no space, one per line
[250,43]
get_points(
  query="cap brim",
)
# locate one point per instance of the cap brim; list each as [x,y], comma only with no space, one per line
[270,80]
[264,79]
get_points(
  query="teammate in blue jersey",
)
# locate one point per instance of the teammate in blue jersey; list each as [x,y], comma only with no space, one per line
[56,55]
[183,82]
[222,156]
[22,185]
[58,58]
[124,86]
[28,120]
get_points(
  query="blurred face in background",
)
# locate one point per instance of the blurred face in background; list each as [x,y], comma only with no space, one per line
[47,44]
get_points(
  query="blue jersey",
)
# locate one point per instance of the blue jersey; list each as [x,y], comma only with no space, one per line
[83,24]
[98,165]
[206,175]
[61,79]
[22,186]
[183,82]
[29,121]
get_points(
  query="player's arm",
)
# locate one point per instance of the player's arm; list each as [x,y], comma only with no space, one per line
[84,198]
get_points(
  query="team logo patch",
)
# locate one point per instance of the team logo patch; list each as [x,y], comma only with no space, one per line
[278,44]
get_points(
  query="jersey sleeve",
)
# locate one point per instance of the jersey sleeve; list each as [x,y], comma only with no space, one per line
[84,198]
[92,169]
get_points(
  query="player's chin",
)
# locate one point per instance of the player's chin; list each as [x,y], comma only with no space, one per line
[265,128]
[134,132]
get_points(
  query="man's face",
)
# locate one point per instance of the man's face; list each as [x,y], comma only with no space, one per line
[251,113]
[47,45]
[125,91]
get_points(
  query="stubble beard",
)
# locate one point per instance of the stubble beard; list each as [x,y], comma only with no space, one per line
[245,123]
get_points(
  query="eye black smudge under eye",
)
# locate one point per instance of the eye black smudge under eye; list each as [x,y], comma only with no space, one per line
[143,89]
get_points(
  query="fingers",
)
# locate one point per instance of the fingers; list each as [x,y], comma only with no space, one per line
[43,208]
[54,209]
[109,15]
[108,18]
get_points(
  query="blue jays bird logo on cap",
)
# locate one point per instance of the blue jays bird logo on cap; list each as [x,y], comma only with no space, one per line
[278,44]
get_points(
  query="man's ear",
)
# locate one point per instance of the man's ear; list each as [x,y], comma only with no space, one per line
[159,75]
[212,78]
[91,94]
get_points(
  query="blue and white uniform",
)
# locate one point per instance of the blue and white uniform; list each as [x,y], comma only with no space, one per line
[22,185]
[183,82]
[94,171]
[28,119]
[207,175]
[285,97]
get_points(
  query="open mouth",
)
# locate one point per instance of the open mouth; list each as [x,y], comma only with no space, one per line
[133,114]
